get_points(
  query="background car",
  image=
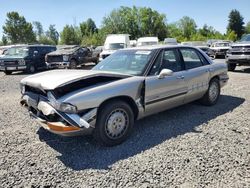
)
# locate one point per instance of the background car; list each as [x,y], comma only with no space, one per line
[220,48]
[114,42]
[96,52]
[70,57]
[239,53]
[29,58]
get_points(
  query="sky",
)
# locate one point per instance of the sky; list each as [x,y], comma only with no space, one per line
[61,12]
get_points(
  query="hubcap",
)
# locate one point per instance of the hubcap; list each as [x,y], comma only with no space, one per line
[116,124]
[213,91]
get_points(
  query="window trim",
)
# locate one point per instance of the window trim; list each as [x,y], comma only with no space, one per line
[198,54]
[160,52]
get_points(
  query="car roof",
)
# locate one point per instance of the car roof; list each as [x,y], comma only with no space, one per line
[155,47]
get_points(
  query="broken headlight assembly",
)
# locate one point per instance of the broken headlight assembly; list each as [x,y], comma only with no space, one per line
[63,107]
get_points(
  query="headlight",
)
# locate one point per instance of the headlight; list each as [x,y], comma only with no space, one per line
[63,107]
[21,62]
[65,58]
[67,108]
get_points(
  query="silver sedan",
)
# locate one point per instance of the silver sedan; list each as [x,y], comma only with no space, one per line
[126,86]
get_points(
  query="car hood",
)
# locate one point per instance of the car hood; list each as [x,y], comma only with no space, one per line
[245,43]
[57,78]
[218,48]
[61,52]
[7,57]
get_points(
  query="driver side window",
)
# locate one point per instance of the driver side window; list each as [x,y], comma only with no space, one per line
[167,59]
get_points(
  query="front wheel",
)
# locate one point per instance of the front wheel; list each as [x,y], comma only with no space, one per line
[231,66]
[7,72]
[212,95]
[114,123]
[73,64]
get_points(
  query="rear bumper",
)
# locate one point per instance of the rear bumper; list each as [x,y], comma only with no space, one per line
[13,68]
[65,125]
[62,65]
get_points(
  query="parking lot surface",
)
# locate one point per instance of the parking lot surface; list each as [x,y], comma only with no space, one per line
[189,146]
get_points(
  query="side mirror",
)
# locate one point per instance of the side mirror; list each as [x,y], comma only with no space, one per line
[164,73]
[35,53]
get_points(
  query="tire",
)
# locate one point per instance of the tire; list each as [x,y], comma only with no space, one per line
[72,64]
[7,72]
[213,93]
[31,69]
[231,66]
[114,123]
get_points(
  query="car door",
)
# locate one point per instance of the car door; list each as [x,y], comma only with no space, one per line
[167,92]
[37,57]
[196,74]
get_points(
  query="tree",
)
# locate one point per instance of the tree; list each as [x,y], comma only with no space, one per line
[96,39]
[135,21]
[4,40]
[88,28]
[231,35]
[44,39]
[152,23]
[187,26]
[38,29]
[52,34]
[247,29]
[17,30]
[235,23]
[70,36]
[175,32]
[207,31]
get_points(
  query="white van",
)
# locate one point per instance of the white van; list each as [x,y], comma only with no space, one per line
[114,42]
[170,41]
[147,41]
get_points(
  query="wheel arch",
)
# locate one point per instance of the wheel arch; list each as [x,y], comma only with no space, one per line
[215,77]
[129,100]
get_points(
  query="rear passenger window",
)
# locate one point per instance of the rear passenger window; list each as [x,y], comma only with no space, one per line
[191,58]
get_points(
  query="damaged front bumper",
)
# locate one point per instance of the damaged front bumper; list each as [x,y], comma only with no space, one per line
[58,122]
[60,65]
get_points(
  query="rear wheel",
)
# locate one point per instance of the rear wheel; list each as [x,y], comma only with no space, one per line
[114,123]
[212,95]
[7,72]
[72,64]
[231,66]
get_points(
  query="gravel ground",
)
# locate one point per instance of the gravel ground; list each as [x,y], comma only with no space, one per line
[190,146]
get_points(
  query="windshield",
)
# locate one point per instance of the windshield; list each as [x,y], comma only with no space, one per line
[221,44]
[245,38]
[17,51]
[147,43]
[132,62]
[114,46]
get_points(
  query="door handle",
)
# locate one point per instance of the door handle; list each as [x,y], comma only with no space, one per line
[180,77]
